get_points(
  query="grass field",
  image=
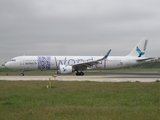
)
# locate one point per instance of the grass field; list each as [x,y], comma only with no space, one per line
[31,100]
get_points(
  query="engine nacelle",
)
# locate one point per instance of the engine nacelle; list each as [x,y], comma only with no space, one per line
[63,69]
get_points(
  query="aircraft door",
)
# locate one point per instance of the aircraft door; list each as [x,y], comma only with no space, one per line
[22,60]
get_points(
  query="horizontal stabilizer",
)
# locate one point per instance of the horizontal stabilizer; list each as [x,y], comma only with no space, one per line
[145,59]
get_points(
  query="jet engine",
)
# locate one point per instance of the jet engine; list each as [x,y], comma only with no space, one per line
[63,69]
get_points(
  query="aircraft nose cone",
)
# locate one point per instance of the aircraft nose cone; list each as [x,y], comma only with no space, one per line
[7,65]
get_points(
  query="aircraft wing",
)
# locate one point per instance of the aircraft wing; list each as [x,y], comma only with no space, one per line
[84,65]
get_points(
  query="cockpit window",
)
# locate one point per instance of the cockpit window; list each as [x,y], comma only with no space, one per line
[13,60]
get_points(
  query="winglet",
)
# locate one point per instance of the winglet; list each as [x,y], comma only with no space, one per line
[106,56]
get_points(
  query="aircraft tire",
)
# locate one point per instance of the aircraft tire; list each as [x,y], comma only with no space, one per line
[79,73]
[22,74]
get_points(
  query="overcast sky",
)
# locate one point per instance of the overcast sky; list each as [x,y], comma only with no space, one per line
[77,27]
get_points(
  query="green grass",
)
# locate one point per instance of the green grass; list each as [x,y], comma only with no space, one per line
[31,100]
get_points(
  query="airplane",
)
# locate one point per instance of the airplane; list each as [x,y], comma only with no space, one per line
[71,64]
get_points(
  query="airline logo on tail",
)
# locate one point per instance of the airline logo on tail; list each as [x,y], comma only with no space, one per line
[139,52]
[144,49]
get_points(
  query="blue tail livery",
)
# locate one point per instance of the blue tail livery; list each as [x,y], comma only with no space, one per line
[140,49]
[139,52]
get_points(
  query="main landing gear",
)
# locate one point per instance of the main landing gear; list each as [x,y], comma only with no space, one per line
[79,73]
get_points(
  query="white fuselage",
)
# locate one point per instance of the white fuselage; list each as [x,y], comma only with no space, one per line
[70,64]
[53,62]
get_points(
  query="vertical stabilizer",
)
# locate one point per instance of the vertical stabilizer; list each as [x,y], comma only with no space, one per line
[140,49]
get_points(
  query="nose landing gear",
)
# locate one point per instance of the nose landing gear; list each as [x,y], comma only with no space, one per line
[22,74]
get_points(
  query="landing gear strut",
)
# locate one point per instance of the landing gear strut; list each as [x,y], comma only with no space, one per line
[79,73]
[22,74]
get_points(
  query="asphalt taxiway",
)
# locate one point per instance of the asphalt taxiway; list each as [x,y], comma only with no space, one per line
[109,77]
